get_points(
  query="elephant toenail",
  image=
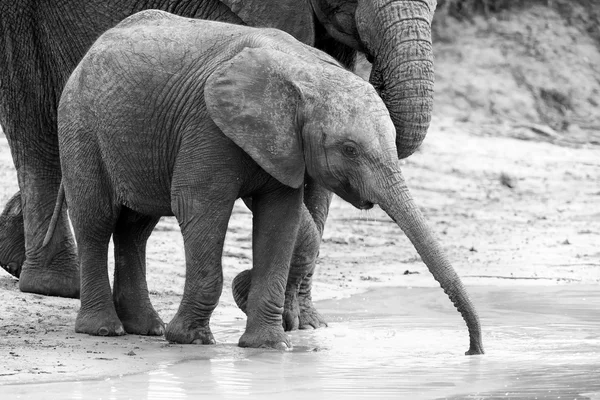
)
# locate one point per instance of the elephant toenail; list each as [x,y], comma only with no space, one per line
[282,346]
[103,331]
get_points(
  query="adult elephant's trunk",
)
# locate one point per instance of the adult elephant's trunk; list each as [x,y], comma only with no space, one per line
[397,202]
[397,34]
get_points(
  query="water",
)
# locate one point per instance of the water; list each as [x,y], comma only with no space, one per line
[541,342]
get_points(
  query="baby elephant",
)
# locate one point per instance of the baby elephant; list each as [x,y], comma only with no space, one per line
[173,116]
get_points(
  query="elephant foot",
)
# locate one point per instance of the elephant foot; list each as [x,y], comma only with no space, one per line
[58,278]
[99,324]
[240,287]
[299,311]
[309,317]
[143,322]
[185,331]
[12,237]
[266,338]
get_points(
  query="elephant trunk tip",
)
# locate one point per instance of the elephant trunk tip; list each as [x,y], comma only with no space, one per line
[409,138]
[475,349]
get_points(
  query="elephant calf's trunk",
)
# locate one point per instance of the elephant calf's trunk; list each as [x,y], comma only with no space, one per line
[399,205]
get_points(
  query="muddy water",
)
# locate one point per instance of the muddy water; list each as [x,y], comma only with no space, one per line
[542,342]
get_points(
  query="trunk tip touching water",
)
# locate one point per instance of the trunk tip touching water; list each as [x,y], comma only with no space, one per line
[466,308]
[399,205]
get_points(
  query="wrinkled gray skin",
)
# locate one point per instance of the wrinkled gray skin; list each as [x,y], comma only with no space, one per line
[42,42]
[174,116]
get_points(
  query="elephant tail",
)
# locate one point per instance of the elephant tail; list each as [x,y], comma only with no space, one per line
[60,199]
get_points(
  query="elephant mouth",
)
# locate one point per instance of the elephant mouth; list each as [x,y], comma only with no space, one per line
[364,205]
[352,196]
[360,204]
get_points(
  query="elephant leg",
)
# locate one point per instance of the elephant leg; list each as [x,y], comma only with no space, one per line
[53,269]
[12,237]
[317,200]
[276,221]
[299,311]
[130,290]
[93,228]
[302,264]
[203,220]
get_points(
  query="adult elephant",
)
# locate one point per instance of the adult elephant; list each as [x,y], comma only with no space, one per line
[42,42]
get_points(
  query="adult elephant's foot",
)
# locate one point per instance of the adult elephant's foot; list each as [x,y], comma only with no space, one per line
[51,271]
[104,323]
[143,321]
[58,277]
[12,237]
[188,331]
[266,337]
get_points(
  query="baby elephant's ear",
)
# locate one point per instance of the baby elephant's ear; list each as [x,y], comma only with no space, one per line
[252,99]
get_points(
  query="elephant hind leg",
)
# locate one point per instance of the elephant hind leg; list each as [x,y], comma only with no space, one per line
[94,218]
[241,287]
[130,290]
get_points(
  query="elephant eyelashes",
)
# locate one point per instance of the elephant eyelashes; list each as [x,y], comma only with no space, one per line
[350,150]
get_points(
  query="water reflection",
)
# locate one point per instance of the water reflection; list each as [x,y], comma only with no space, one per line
[541,343]
[162,384]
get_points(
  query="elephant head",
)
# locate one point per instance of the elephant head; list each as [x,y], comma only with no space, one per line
[395,35]
[293,115]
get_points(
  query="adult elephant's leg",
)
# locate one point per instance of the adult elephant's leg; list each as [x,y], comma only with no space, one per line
[51,270]
[130,290]
[12,236]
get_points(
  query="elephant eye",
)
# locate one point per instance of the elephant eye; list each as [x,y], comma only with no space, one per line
[350,150]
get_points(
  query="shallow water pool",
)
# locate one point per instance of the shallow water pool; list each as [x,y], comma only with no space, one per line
[541,342]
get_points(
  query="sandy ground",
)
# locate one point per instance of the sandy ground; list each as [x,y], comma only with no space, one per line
[507,211]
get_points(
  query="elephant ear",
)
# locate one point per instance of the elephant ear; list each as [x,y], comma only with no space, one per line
[254,102]
[292,16]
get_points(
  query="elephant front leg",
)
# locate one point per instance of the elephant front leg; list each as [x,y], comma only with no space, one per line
[203,220]
[295,315]
[275,227]
[130,291]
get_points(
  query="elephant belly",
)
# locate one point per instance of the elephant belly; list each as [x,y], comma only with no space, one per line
[143,185]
